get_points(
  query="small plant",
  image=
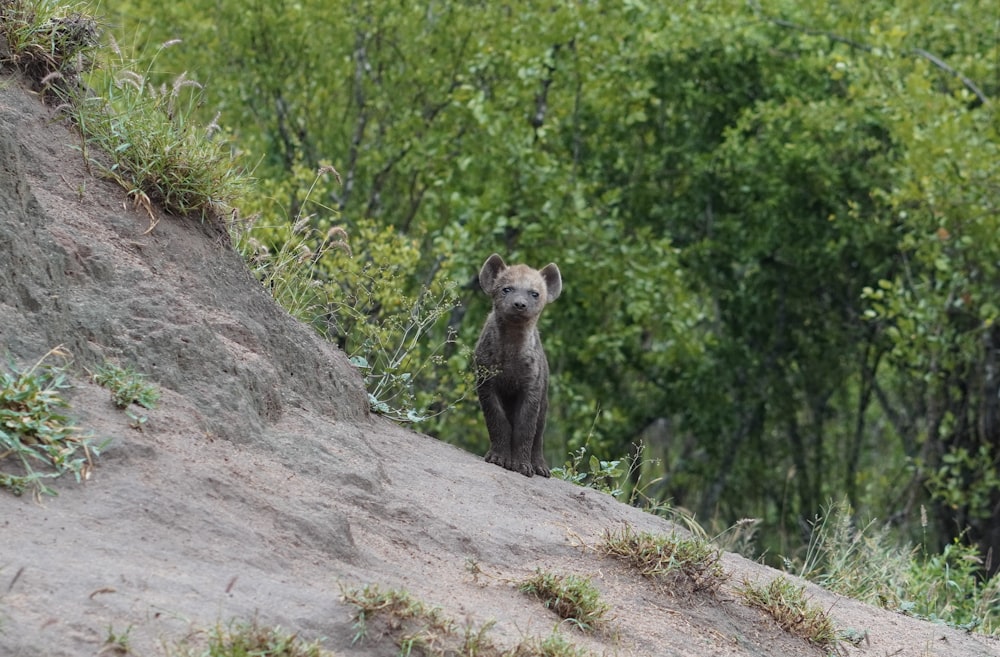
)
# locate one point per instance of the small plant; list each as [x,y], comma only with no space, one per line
[361,300]
[571,597]
[417,629]
[787,604]
[33,430]
[862,561]
[252,640]
[604,476]
[621,478]
[117,643]
[668,558]
[126,385]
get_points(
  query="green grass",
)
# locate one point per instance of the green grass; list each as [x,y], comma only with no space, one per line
[863,561]
[417,629]
[49,41]
[34,430]
[149,143]
[251,640]
[126,385]
[691,560]
[571,597]
[789,606]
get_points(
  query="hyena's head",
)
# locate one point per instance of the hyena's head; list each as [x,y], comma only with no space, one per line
[519,292]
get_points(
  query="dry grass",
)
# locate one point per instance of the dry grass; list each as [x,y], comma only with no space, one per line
[672,558]
[788,605]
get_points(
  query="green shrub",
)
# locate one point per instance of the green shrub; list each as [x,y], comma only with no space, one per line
[864,562]
[149,143]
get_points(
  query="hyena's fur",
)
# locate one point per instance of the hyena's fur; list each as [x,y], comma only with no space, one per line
[512,372]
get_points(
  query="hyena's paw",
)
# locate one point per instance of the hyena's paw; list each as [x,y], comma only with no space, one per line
[541,469]
[524,468]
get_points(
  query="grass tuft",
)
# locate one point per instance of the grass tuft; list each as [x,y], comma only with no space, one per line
[252,640]
[126,385]
[47,40]
[35,432]
[569,596]
[671,558]
[417,629]
[788,605]
[154,148]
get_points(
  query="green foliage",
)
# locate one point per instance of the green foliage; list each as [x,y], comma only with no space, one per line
[605,476]
[571,597]
[252,640]
[948,587]
[693,561]
[126,385]
[35,432]
[788,604]
[626,479]
[357,298]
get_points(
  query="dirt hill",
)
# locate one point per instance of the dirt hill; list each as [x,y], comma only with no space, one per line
[260,486]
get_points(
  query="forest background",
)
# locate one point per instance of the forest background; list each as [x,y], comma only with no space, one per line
[776,223]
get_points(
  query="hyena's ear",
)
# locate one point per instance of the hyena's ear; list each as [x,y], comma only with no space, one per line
[488,274]
[553,281]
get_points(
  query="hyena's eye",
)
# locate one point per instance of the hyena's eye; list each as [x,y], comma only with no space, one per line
[534,294]
[507,290]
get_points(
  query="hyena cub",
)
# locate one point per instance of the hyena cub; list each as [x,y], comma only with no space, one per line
[512,374]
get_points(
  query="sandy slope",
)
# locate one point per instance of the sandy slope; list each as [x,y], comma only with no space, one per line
[260,485]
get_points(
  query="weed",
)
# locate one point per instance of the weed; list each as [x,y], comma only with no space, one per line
[949,588]
[417,629]
[359,301]
[667,558]
[571,597]
[392,355]
[788,605]
[47,40]
[33,430]
[117,643]
[252,640]
[126,385]
[620,478]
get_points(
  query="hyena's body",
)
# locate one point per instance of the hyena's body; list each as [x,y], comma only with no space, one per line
[512,371]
